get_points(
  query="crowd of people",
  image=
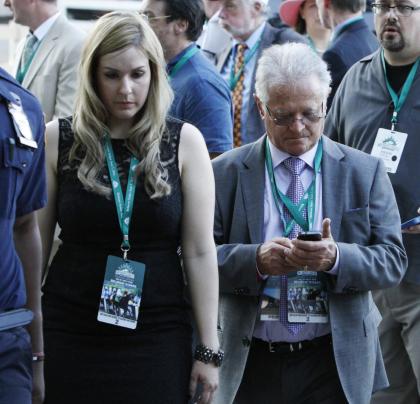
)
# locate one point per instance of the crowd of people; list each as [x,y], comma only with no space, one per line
[233,187]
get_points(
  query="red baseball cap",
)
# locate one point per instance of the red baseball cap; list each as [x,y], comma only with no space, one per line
[289,11]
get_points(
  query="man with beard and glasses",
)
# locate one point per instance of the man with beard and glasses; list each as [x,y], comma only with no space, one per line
[377,110]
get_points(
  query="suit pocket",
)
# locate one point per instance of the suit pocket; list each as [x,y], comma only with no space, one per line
[355,226]
[372,321]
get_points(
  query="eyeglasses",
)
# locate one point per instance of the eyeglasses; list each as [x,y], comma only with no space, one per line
[308,118]
[401,10]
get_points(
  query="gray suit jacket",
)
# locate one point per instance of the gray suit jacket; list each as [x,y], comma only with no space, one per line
[358,197]
[270,36]
[52,75]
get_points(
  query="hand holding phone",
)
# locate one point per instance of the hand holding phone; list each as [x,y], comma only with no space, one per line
[412,222]
[310,236]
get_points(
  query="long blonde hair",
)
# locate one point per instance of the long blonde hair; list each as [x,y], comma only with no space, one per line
[113,32]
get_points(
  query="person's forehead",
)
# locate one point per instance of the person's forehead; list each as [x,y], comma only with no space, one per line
[237,3]
[306,90]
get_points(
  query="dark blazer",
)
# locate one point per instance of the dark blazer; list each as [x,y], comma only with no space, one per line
[270,36]
[357,196]
[353,43]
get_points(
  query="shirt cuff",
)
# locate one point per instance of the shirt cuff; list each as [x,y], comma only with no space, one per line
[260,276]
[334,269]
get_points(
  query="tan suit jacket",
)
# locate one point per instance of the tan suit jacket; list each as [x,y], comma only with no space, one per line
[52,75]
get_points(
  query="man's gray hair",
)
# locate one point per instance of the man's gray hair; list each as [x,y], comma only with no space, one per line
[264,5]
[286,65]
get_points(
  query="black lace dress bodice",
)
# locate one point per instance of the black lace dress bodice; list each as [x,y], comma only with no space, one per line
[90,232]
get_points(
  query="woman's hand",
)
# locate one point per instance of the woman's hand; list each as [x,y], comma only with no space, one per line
[203,382]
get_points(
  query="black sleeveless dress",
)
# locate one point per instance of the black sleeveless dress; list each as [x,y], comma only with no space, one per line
[92,362]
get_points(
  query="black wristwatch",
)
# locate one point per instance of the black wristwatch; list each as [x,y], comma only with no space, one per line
[206,355]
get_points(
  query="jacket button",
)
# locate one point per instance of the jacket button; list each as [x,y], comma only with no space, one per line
[246,341]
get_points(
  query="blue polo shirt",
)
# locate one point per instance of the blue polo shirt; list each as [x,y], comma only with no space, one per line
[202,98]
[22,184]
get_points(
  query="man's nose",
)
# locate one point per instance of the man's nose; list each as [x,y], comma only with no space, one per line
[297,124]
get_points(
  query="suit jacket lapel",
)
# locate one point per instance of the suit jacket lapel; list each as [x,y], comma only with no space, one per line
[333,183]
[252,186]
[46,46]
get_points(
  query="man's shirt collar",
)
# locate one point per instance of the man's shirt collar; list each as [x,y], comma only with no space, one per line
[278,156]
[178,57]
[43,29]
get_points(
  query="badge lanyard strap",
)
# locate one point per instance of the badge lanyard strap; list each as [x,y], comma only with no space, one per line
[234,78]
[399,101]
[124,207]
[24,69]
[181,62]
[346,25]
[307,200]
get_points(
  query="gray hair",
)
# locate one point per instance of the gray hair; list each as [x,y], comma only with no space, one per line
[265,8]
[286,65]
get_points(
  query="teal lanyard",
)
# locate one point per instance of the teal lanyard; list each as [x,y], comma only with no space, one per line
[308,199]
[124,207]
[312,44]
[24,69]
[234,78]
[347,24]
[181,62]
[399,100]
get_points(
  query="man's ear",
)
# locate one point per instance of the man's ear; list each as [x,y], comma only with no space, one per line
[260,106]
[181,26]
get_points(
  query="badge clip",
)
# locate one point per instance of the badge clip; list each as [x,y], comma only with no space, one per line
[22,126]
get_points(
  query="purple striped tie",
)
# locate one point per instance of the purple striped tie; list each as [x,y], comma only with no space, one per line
[295,193]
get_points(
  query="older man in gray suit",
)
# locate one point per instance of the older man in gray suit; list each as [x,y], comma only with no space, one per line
[297,319]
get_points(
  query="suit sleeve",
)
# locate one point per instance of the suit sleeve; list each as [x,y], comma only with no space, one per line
[382,262]
[236,261]
[67,80]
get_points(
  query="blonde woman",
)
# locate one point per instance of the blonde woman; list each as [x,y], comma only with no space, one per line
[128,187]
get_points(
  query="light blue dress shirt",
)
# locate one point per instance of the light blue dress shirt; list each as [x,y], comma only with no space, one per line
[273,227]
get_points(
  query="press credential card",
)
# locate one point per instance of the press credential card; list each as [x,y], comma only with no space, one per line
[306,298]
[389,146]
[121,292]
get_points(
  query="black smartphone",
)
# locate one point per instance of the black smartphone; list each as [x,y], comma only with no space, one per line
[310,236]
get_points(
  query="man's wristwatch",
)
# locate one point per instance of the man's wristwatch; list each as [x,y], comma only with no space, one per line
[206,355]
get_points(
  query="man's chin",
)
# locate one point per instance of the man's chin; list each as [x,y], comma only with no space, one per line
[392,46]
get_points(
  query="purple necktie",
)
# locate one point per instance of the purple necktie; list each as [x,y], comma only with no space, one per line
[295,193]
